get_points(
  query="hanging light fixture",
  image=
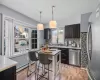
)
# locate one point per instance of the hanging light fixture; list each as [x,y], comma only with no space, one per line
[52,23]
[40,25]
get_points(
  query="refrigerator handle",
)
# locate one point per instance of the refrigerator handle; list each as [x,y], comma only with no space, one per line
[88,43]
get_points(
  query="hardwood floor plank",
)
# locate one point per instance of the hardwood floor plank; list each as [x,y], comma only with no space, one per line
[68,73]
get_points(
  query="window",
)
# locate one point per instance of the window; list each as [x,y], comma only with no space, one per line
[58,36]
[54,36]
[17,38]
[21,39]
[34,39]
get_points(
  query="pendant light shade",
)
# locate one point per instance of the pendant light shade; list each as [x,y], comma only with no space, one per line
[52,23]
[40,25]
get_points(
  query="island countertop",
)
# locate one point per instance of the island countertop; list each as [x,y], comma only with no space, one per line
[52,52]
[6,63]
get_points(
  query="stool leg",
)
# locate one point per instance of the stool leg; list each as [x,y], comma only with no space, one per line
[38,70]
[48,71]
[44,70]
[28,69]
[35,70]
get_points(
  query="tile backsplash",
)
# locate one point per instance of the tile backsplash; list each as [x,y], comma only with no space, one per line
[72,42]
[84,56]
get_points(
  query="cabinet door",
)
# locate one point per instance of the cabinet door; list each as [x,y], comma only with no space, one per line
[64,56]
[47,33]
[9,74]
[70,32]
[76,31]
[67,32]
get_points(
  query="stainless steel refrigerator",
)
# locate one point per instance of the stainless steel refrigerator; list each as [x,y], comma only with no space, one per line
[93,48]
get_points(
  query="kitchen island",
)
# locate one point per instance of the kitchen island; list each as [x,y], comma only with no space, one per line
[56,61]
[7,69]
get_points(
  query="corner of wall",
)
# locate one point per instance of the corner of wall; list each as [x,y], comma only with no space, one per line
[84,56]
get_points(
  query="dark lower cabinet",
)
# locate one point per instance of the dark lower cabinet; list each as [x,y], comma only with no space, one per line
[64,55]
[9,74]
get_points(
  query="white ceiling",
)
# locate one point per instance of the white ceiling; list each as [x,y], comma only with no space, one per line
[64,8]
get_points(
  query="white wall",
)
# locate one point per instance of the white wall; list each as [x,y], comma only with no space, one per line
[85,21]
[70,20]
[14,14]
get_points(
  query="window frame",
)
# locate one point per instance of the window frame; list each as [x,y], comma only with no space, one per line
[14,21]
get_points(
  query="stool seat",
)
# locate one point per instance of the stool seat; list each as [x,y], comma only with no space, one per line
[44,60]
[32,58]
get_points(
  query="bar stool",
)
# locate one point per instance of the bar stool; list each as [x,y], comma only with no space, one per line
[44,60]
[32,58]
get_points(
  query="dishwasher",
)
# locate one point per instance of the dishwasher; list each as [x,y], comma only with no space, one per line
[75,57]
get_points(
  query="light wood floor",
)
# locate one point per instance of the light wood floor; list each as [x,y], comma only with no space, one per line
[67,73]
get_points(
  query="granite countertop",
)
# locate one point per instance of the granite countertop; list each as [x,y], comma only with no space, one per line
[70,47]
[52,52]
[6,63]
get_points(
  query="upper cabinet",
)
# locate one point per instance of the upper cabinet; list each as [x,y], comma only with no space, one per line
[72,31]
[47,33]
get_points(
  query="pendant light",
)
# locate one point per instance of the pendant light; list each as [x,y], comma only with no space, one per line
[40,25]
[52,23]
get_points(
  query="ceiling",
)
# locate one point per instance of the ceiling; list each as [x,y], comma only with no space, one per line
[64,8]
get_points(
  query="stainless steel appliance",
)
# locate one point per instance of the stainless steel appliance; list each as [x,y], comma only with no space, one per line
[93,47]
[74,57]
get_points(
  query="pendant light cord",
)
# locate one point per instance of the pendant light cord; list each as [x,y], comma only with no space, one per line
[40,16]
[52,13]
